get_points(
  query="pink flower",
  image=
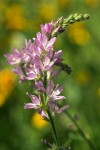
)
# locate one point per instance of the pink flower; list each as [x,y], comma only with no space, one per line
[57,56]
[54,92]
[44,64]
[39,86]
[13,58]
[35,62]
[42,41]
[53,106]
[35,104]
[47,27]
[32,72]
[53,95]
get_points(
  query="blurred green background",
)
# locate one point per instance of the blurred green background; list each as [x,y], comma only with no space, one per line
[23,129]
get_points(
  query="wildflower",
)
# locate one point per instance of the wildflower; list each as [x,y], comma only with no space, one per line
[36,62]
[36,102]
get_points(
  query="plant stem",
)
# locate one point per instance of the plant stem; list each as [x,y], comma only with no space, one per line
[53,129]
[50,116]
[88,141]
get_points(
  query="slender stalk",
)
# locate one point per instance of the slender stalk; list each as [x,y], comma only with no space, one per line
[88,141]
[50,115]
[53,129]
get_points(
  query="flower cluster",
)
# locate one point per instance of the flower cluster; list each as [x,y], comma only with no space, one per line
[36,62]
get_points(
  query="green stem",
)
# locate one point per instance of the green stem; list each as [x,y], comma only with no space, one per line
[50,115]
[88,141]
[53,129]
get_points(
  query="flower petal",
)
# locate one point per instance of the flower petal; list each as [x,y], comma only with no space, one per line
[42,113]
[50,43]
[30,106]
[62,109]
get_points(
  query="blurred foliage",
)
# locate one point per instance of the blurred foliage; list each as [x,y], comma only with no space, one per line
[23,129]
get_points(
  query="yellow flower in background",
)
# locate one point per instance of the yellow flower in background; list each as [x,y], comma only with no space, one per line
[37,121]
[83,77]
[7,81]
[48,11]
[64,3]
[92,3]
[15,18]
[78,34]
